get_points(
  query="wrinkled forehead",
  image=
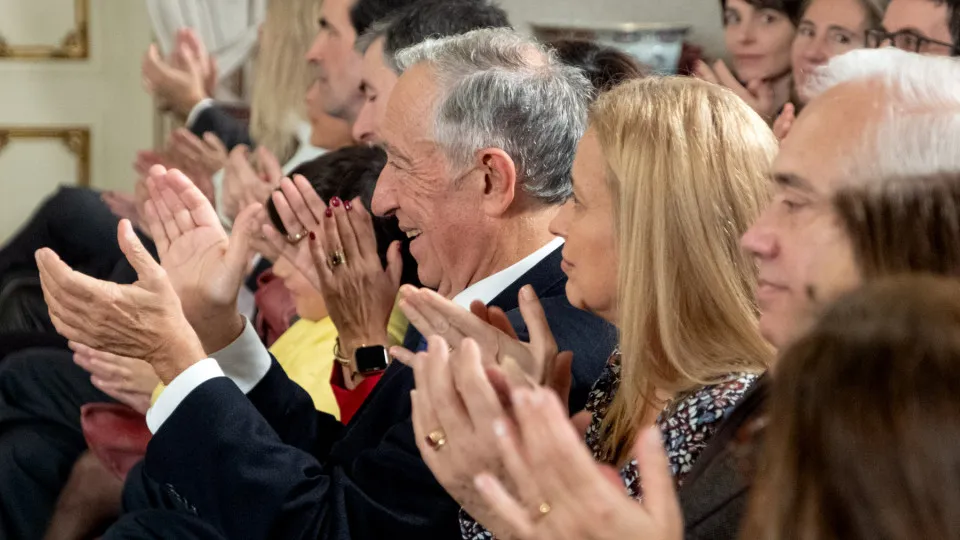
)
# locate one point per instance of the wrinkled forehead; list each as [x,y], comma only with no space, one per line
[832,133]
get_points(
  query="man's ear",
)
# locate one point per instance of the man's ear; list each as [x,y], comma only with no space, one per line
[500,181]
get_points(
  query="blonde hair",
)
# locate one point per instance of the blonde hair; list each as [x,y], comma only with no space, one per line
[282,75]
[688,164]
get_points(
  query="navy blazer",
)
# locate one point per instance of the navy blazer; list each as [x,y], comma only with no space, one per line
[228,128]
[268,465]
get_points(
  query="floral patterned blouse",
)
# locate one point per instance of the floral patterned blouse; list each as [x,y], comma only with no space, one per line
[687,424]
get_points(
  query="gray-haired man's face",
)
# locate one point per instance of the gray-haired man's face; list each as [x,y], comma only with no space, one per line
[440,208]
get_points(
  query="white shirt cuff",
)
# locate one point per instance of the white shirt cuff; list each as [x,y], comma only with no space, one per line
[245,361]
[203,105]
[178,390]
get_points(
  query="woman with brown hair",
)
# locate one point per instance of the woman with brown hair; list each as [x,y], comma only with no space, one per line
[863,423]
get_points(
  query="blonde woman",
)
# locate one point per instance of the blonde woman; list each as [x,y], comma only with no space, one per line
[668,176]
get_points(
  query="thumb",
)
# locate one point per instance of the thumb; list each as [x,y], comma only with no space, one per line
[142,261]
[238,252]
[394,264]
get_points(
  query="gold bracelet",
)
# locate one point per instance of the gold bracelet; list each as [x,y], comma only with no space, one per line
[345,362]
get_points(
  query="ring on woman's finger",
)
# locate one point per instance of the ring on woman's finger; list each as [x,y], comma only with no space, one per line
[544,508]
[436,439]
[337,258]
[295,238]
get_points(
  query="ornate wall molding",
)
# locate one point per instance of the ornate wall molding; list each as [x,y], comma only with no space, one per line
[76,139]
[74,46]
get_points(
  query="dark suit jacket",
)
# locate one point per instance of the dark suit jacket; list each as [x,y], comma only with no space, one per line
[268,465]
[228,128]
[715,494]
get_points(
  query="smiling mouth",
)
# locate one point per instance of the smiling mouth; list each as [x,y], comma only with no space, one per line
[413,233]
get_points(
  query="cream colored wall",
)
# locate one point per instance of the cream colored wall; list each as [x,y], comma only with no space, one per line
[703,15]
[102,93]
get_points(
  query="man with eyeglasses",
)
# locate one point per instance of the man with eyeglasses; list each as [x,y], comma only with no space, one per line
[922,26]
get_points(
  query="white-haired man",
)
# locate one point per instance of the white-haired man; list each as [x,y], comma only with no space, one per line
[875,114]
[476,193]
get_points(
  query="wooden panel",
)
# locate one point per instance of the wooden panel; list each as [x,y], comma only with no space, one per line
[73,43]
[33,163]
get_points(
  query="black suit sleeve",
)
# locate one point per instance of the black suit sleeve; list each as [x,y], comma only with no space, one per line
[236,471]
[290,412]
[229,129]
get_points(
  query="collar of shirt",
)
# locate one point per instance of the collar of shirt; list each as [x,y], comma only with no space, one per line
[489,287]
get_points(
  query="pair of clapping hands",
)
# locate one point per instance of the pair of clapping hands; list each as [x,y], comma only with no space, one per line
[180,310]
[504,447]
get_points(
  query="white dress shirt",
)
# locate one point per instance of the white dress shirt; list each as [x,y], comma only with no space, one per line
[246,361]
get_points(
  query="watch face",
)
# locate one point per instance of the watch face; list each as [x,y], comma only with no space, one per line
[372,359]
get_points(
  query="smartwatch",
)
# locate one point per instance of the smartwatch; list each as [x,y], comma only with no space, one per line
[371,360]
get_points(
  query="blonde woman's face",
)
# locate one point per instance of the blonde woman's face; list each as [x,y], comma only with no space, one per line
[586,222]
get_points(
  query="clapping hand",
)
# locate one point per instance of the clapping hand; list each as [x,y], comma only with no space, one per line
[341,260]
[758,94]
[561,492]
[143,320]
[205,267]
[183,80]
[433,314]
[453,407]
[784,123]
[207,155]
[127,380]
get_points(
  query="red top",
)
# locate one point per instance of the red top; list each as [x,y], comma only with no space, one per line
[350,400]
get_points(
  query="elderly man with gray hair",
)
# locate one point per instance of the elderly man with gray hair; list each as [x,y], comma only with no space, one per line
[480,132]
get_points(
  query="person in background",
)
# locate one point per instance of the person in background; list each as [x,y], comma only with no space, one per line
[921,26]
[407,27]
[652,247]
[759,35]
[605,66]
[828,28]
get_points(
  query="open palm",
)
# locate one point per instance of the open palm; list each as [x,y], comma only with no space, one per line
[204,267]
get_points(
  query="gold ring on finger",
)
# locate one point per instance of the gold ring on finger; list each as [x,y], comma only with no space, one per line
[544,508]
[295,238]
[436,439]
[337,258]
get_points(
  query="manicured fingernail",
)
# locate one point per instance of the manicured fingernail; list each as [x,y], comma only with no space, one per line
[347,205]
[329,212]
[499,428]
[335,201]
[313,236]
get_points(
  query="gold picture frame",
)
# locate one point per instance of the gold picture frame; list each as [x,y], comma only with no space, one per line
[76,139]
[74,46]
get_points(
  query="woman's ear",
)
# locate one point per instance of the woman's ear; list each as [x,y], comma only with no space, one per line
[500,181]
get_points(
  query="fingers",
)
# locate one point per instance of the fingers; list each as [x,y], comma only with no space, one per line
[437,315]
[289,219]
[541,337]
[188,196]
[511,511]
[560,377]
[703,71]
[305,214]
[215,145]
[499,320]
[659,494]
[404,356]
[139,258]
[781,128]
[516,464]
[152,221]
[395,263]
[726,77]
[270,166]
[471,382]
[348,236]
[239,250]
[170,228]
[362,223]
[443,394]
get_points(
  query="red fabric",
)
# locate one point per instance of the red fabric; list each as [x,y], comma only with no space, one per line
[275,307]
[350,401]
[116,434]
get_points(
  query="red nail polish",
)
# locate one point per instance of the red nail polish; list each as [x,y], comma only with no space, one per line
[313,236]
[329,212]
[347,205]
[335,201]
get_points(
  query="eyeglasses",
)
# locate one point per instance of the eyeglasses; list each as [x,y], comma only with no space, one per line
[906,40]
